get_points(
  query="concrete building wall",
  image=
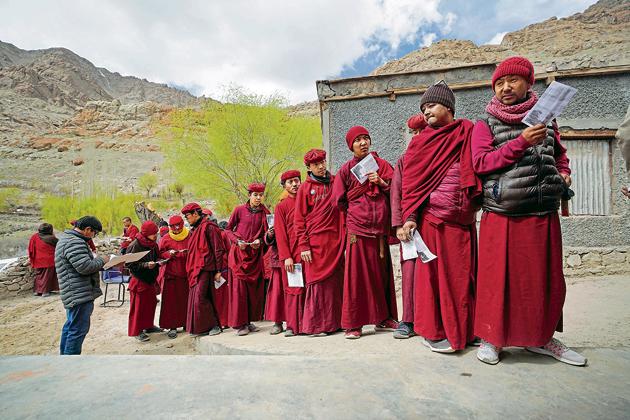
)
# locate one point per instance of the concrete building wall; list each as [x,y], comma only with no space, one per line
[600,104]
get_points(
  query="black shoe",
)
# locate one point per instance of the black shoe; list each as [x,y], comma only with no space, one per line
[142,337]
[153,329]
[172,333]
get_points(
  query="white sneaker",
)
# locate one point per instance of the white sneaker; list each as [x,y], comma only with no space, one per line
[488,353]
[559,351]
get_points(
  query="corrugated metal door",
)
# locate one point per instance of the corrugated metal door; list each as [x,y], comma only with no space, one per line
[590,172]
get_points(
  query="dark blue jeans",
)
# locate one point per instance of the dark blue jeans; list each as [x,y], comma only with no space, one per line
[76,328]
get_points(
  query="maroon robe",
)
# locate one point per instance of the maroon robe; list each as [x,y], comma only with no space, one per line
[174,283]
[444,299]
[205,258]
[319,227]
[247,267]
[41,255]
[131,232]
[274,302]
[407,267]
[369,295]
[222,294]
[142,290]
[286,239]
[520,282]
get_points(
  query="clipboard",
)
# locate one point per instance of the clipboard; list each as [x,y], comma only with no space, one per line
[127,258]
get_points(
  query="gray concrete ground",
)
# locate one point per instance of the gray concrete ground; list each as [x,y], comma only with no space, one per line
[264,376]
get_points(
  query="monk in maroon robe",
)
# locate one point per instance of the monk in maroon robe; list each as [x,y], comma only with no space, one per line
[319,227]
[173,276]
[439,190]
[129,234]
[416,124]
[288,254]
[221,292]
[204,265]
[274,302]
[369,296]
[41,255]
[142,291]
[246,229]
[525,171]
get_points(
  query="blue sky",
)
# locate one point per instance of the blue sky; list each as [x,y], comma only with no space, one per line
[266,46]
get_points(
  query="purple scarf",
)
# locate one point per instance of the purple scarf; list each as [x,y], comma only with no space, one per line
[511,114]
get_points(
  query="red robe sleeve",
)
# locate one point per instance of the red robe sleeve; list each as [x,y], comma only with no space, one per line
[299,218]
[282,235]
[31,250]
[213,236]
[395,195]
[560,155]
[232,223]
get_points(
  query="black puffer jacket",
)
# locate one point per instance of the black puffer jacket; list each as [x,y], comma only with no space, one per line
[531,186]
[140,269]
[77,269]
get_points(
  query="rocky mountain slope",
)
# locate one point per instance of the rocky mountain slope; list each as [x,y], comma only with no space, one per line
[599,36]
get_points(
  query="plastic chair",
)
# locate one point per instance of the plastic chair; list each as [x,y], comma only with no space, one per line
[115,276]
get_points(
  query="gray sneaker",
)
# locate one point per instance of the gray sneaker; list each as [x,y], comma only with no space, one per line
[252,327]
[289,333]
[404,330]
[488,353]
[142,337]
[214,331]
[276,329]
[559,351]
[172,333]
[439,346]
[244,330]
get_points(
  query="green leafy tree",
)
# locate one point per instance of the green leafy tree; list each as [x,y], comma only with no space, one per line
[147,182]
[216,151]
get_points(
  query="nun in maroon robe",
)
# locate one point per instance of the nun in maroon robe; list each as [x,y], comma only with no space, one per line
[439,198]
[369,296]
[246,229]
[41,254]
[525,170]
[204,265]
[288,254]
[142,291]
[174,279]
[319,227]
[221,293]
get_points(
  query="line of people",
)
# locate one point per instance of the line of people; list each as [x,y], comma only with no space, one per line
[504,289]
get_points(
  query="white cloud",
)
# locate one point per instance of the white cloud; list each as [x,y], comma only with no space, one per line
[496,39]
[264,45]
[427,39]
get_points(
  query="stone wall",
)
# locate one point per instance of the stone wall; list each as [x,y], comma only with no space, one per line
[589,261]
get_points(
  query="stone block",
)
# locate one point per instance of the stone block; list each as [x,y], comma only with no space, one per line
[614,258]
[13,287]
[574,260]
[592,259]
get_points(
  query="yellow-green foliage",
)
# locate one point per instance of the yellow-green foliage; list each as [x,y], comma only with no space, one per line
[109,208]
[218,150]
[9,197]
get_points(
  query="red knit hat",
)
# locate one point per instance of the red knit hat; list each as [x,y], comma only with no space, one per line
[176,221]
[190,208]
[314,156]
[148,228]
[417,122]
[355,132]
[292,173]
[520,66]
[256,187]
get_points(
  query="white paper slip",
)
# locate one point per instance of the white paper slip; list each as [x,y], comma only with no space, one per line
[296,279]
[409,250]
[270,220]
[423,251]
[365,166]
[219,283]
[550,104]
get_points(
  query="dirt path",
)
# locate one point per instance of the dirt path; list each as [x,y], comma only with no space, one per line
[596,315]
